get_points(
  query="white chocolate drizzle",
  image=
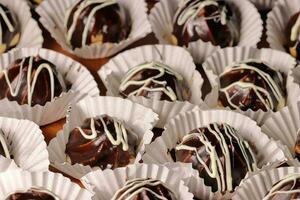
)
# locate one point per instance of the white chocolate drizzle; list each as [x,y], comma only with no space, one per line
[7,22]
[82,6]
[275,88]
[295,30]
[275,190]
[36,189]
[4,145]
[31,84]
[135,186]
[222,172]
[143,84]
[121,132]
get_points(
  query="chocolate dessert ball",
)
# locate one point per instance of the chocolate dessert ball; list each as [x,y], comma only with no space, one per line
[293,35]
[4,151]
[102,142]
[144,189]
[154,80]
[96,22]
[33,194]
[32,81]
[252,85]
[222,158]
[286,189]
[208,20]
[10,29]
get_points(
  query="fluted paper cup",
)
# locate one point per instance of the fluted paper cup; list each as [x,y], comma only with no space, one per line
[81,80]
[264,4]
[25,143]
[7,164]
[62,187]
[279,61]
[31,34]
[53,12]
[161,19]
[106,183]
[198,188]
[257,186]
[138,118]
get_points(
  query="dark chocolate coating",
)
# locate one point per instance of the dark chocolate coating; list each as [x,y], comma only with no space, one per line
[248,88]
[206,87]
[238,161]
[100,151]
[297,147]
[154,81]
[207,24]
[31,194]
[36,2]
[293,47]
[42,89]
[110,24]
[10,37]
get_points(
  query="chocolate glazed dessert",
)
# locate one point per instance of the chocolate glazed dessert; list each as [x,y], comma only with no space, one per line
[32,81]
[33,194]
[209,20]
[154,80]
[293,36]
[4,150]
[144,189]
[102,142]
[287,188]
[10,29]
[222,158]
[252,85]
[96,22]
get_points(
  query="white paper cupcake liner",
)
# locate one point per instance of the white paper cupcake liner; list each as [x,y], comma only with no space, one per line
[82,84]
[7,164]
[106,183]
[62,187]
[26,144]
[31,34]
[175,57]
[276,59]
[257,186]
[161,19]
[264,4]
[52,14]
[138,118]
[277,21]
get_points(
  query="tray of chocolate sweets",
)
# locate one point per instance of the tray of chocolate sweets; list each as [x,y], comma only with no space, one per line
[149,99]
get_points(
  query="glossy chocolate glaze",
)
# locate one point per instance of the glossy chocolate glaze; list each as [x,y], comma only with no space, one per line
[33,194]
[292,34]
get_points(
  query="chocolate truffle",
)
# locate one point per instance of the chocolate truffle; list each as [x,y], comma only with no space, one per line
[293,35]
[219,154]
[252,85]
[96,22]
[33,194]
[4,150]
[154,80]
[32,81]
[144,189]
[102,142]
[286,189]
[10,29]
[208,20]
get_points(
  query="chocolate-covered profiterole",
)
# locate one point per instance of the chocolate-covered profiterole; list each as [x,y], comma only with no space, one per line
[4,151]
[219,154]
[33,194]
[293,35]
[208,20]
[154,80]
[10,29]
[252,85]
[102,141]
[32,81]
[144,189]
[96,22]
[287,188]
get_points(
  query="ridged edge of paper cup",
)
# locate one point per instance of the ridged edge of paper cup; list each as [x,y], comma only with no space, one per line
[264,4]
[106,183]
[12,181]
[137,117]
[26,144]
[52,17]
[82,84]
[7,164]
[276,59]
[161,19]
